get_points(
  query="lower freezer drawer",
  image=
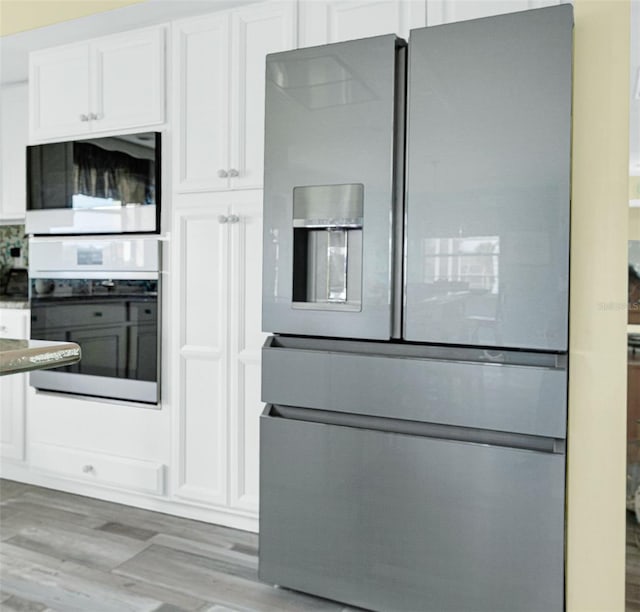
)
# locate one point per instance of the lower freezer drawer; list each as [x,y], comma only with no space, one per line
[391,521]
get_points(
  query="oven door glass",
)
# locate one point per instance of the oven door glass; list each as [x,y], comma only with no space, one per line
[115,322]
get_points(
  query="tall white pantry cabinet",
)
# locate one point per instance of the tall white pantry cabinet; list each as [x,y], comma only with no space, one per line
[218,134]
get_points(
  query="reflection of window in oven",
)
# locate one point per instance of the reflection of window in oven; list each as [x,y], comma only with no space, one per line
[634,286]
[110,178]
[469,263]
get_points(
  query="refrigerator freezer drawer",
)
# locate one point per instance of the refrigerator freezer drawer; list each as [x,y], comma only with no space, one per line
[392,521]
[380,380]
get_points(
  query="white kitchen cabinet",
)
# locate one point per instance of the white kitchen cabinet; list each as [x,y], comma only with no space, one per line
[98,442]
[14,324]
[219,77]
[106,84]
[13,143]
[217,262]
[447,11]
[328,21]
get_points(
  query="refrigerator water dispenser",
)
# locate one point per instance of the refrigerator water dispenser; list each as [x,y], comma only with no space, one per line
[327,246]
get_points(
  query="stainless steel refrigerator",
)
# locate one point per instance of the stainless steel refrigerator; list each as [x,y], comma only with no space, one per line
[416,278]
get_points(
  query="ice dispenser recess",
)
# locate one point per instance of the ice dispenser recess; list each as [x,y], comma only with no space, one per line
[327,246]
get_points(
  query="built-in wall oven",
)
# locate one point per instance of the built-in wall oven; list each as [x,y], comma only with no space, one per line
[101,292]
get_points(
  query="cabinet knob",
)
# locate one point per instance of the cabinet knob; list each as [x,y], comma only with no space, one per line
[4,329]
[84,117]
[233,172]
[88,469]
[233,219]
[223,173]
[223,219]
[94,117]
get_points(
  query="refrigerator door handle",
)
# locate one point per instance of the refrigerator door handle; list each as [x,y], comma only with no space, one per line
[454,433]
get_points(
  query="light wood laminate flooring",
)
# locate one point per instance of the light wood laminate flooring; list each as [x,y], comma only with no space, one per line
[68,553]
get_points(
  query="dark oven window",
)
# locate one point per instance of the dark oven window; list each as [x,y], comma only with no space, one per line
[102,173]
[115,322]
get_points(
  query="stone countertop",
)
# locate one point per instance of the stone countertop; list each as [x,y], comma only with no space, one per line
[26,355]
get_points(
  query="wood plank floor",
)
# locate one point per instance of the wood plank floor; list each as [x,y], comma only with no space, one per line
[70,553]
[62,552]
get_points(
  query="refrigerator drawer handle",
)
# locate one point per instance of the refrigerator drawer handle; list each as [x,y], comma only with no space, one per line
[451,433]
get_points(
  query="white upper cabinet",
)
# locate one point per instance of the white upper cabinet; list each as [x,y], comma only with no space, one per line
[219,68]
[328,21]
[13,143]
[448,11]
[107,84]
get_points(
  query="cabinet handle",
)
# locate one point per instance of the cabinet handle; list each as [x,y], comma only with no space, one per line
[223,219]
[147,311]
[88,469]
[84,117]
[234,218]
[95,116]
[233,172]
[97,314]
[223,173]
[4,329]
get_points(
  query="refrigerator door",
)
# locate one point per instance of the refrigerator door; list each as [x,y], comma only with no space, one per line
[329,188]
[489,119]
[391,521]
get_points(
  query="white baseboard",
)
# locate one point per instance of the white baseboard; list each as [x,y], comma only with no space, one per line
[217,516]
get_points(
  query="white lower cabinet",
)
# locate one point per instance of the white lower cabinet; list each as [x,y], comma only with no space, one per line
[99,468]
[216,263]
[14,324]
[87,442]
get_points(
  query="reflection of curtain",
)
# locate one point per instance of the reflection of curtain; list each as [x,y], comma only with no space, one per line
[100,173]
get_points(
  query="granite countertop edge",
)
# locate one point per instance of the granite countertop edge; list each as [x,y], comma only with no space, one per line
[17,303]
[26,355]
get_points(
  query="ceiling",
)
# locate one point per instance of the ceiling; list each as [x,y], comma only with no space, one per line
[14,48]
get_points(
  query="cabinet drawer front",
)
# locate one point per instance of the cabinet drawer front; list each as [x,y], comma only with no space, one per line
[75,315]
[99,468]
[505,397]
[143,312]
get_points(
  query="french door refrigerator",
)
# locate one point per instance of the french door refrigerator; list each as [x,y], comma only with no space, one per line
[416,278]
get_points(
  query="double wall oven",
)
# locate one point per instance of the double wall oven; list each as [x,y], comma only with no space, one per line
[94,263]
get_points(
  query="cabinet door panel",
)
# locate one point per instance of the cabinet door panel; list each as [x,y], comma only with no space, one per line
[128,80]
[13,324]
[59,92]
[202,260]
[338,20]
[14,128]
[201,64]
[244,355]
[257,31]
[448,11]
[102,345]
